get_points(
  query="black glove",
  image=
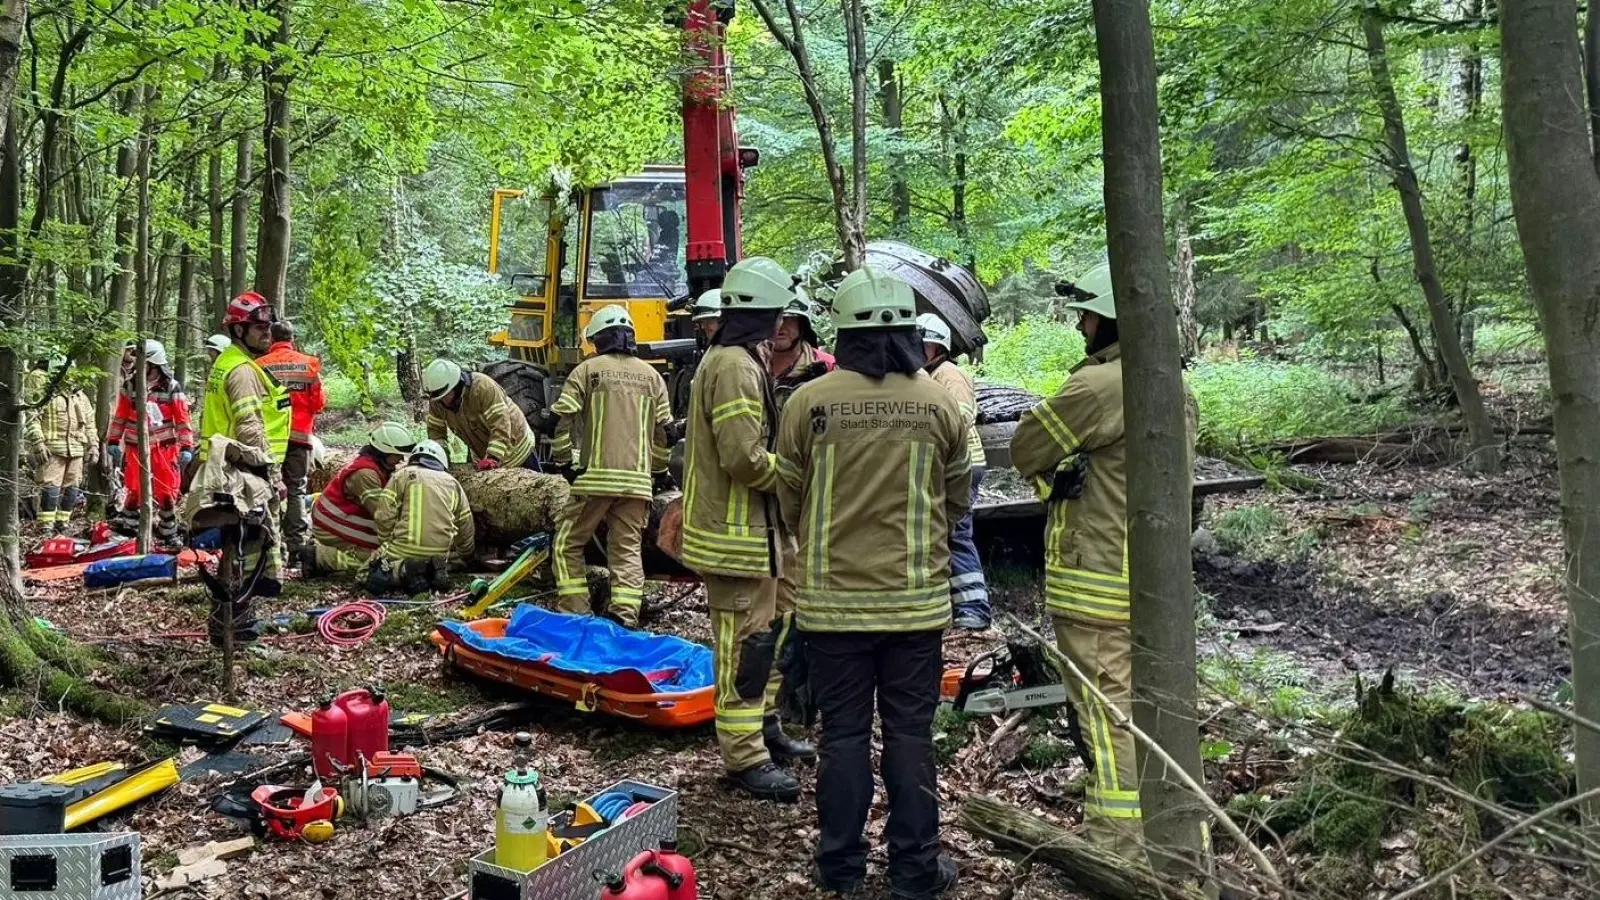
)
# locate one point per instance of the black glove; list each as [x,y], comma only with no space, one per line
[662,482]
[568,472]
[675,430]
[545,422]
[1068,481]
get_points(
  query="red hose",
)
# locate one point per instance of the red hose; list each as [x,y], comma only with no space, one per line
[351,624]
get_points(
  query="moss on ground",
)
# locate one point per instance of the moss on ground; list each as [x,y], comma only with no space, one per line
[428,699]
[1346,801]
[952,730]
[405,627]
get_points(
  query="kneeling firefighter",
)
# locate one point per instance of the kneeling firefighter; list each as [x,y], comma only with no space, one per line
[428,525]
[1072,448]
[344,520]
[731,530]
[873,470]
[611,444]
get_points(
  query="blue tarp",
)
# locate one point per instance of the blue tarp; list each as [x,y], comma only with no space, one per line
[588,645]
[112,572]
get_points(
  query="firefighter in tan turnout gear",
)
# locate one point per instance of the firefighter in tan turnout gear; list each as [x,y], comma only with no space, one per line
[731,525]
[873,470]
[611,443]
[344,520]
[428,525]
[477,409]
[62,438]
[969,592]
[1072,447]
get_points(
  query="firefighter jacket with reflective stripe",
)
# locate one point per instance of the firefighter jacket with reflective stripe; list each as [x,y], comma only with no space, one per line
[245,404]
[64,425]
[167,415]
[346,512]
[301,375]
[1086,538]
[954,379]
[873,472]
[486,421]
[614,413]
[730,471]
[429,518]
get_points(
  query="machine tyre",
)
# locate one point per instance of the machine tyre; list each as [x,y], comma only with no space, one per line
[523,382]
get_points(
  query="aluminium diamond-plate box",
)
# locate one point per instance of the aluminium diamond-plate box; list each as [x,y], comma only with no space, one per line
[70,867]
[573,875]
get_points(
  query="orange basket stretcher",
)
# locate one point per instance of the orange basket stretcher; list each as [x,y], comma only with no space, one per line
[626,694]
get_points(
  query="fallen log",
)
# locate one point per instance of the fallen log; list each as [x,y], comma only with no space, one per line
[1097,873]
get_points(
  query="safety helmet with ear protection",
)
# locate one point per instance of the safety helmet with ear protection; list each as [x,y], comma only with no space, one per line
[1094,292]
[757,283]
[392,438]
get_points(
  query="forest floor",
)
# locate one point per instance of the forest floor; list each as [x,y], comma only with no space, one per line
[1448,578]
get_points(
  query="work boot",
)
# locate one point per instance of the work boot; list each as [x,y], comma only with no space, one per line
[767,782]
[126,522]
[166,530]
[848,889]
[944,880]
[782,747]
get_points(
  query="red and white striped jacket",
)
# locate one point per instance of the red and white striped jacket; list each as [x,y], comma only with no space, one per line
[169,417]
[345,514]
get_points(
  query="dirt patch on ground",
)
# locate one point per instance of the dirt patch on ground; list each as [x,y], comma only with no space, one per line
[1443,640]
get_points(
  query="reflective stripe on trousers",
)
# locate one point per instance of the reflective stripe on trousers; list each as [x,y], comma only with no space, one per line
[624,518]
[741,608]
[1103,652]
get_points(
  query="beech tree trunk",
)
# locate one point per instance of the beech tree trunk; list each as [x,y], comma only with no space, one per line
[1188,322]
[122,234]
[13,21]
[143,302]
[239,227]
[188,332]
[272,232]
[217,271]
[13,278]
[1160,466]
[1555,193]
[893,102]
[1485,454]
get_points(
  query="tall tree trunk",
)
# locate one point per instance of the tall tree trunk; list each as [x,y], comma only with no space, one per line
[793,41]
[855,27]
[952,121]
[117,302]
[13,22]
[239,234]
[188,331]
[272,232]
[1485,455]
[143,302]
[217,270]
[13,278]
[893,102]
[1188,322]
[1555,193]
[1466,90]
[1159,459]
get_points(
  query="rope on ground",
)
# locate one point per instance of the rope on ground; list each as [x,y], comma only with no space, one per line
[351,624]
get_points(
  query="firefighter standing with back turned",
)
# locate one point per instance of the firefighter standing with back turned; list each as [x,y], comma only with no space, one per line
[616,405]
[731,524]
[301,375]
[874,469]
[969,592]
[247,405]
[477,409]
[1072,447]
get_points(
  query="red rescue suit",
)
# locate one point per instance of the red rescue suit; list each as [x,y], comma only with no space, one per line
[170,434]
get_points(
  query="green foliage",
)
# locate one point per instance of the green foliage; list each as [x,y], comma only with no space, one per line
[1248,530]
[1259,401]
[952,730]
[1035,354]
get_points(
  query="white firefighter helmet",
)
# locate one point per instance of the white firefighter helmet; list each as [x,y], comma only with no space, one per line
[614,316]
[757,283]
[393,438]
[432,450]
[934,330]
[440,378]
[218,342]
[707,306]
[870,298]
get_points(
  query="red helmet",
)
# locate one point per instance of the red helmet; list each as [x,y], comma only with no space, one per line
[248,308]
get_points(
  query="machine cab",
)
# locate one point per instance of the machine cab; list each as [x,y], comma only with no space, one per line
[622,242]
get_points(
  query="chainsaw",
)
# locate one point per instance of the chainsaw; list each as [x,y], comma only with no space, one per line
[1017,676]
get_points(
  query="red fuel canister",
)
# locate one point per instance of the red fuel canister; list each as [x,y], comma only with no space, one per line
[369,723]
[634,883]
[330,739]
[671,861]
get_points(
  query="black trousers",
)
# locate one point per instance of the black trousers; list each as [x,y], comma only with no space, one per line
[901,671]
